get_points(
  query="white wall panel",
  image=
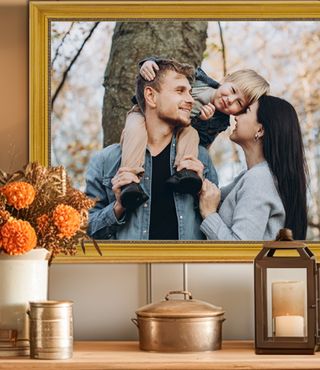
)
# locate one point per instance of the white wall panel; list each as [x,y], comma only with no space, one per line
[231,287]
[106,296]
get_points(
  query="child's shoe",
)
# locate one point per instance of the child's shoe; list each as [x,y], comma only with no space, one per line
[185,181]
[132,196]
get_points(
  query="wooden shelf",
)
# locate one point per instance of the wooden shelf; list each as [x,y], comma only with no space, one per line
[234,355]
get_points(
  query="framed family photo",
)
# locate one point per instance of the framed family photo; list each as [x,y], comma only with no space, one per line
[83,62]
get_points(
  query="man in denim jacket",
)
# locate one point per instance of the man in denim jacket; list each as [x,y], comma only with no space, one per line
[166,103]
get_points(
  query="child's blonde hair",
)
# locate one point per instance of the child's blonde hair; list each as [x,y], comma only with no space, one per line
[250,83]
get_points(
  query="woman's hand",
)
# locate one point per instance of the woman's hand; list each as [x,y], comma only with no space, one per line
[209,199]
[207,111]
[148,70]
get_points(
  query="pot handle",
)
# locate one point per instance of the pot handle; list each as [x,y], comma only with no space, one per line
[135,321]
[184,292]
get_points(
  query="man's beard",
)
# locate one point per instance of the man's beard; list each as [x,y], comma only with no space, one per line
[174,122]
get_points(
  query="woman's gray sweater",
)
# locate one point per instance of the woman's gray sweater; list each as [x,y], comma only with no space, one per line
[251,208]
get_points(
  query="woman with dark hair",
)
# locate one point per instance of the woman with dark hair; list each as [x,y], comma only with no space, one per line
[271,193]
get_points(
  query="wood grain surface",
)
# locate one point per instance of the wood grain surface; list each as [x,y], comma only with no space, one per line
[235,355]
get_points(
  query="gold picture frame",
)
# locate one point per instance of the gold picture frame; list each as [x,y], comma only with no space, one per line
[41,12]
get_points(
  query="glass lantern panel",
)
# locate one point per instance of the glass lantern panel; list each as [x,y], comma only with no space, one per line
[287,302]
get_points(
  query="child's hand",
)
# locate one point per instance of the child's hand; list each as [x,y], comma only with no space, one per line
[207,111]
[148,70]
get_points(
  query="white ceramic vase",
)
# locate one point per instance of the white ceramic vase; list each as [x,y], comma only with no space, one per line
[22,279]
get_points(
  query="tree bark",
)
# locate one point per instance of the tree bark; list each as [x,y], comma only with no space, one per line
[133,41]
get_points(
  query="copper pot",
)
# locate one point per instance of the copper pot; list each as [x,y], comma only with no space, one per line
[176,325]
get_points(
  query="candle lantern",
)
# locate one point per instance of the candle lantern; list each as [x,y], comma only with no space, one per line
[285,297]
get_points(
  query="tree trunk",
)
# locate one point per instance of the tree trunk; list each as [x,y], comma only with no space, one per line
[133,41]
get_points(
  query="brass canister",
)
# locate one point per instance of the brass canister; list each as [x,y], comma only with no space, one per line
[51,330]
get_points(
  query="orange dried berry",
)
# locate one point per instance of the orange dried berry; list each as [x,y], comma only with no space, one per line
[67,220]
[42,223]
[19,194]
[4,216]
[17,237]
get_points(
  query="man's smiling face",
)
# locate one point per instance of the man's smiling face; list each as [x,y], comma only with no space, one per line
[174,101]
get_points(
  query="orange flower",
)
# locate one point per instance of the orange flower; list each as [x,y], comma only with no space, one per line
[67,220]
[19,194]
[17,237]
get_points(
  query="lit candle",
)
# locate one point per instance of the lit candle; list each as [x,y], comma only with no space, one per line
[289,326]
[288,308]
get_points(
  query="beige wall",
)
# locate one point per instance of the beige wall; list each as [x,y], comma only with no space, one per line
[106,296]
[14,84]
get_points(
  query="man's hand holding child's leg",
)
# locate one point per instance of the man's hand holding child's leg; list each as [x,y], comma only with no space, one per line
[127,190]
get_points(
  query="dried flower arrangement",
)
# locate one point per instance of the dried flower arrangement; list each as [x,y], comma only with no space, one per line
[40,208]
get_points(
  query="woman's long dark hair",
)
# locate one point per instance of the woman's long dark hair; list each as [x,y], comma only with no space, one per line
[284,152]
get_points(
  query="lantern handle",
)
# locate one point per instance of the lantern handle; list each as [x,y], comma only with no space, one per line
[284,235]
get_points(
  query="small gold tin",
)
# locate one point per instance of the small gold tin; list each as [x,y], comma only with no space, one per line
[51,330]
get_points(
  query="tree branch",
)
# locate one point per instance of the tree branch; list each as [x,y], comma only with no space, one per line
[223,50]
[65,73]
[61,43]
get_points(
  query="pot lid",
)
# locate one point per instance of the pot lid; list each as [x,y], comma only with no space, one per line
[180,307]
[50,304]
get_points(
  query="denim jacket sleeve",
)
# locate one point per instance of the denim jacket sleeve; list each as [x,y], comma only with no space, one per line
[209,172]
[103,223]
[200,75]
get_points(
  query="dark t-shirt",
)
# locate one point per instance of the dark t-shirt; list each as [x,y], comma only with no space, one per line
[163,218]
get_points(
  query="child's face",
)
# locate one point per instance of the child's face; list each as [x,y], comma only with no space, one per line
[229,99]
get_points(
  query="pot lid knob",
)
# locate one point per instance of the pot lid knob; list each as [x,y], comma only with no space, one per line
[184,292]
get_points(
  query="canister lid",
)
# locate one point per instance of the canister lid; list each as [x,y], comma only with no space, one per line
[180,307]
